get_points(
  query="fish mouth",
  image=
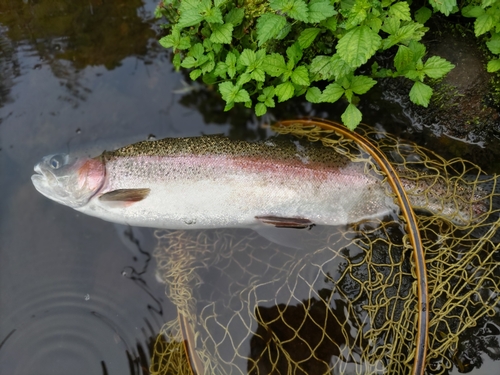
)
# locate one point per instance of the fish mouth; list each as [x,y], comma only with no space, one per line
[41,180]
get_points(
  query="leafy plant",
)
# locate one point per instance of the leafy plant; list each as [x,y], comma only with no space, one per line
[258,52]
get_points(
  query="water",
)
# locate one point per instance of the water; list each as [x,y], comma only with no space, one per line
[79,295]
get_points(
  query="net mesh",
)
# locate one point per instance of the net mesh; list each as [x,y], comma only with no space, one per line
[341,300]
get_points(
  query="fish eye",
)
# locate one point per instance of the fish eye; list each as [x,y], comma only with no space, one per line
[56,162]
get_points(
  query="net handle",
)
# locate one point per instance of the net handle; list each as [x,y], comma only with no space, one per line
[412,228]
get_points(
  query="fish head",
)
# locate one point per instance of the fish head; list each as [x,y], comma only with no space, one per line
[69,180]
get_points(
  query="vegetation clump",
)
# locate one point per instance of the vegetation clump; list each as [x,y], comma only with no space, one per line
[258,52]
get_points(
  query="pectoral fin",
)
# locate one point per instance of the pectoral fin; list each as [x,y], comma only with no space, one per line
[286,222]
[125,195]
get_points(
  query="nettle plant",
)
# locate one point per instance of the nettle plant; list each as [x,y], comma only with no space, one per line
[258,52]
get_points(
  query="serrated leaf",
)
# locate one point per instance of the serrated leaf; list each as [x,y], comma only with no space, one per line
[358,45]
[189,62]
[320,10]
[231,64]
[493,66]
[247,57]
[294,52]
[487,3]
[298,10]
[195,74]
[300,76]
[274,65]
[444,6]
[339,67]
[374,23]
[483,24]
[267,96]
[494,43]
[313,95]
[400,10]
[228,91]
[403,60]
[220,69]
[351,117]
[391,25]
[284,91]
[411,31]
[244,78]
[418,50]
[330,24]
[218,3]
[235,16]
[242,96]
[361,84]
[174,40]
[213,15]
[420,94]
[321,68]
[269,26]
[307,36]
[332,93]
[437,67]
[189,17]
[258,75]
[357,13]
[222,33]
[472,11]
[260,109]
[423,14]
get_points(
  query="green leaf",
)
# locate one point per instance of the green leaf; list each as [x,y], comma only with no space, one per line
[298,11]
[444,6]
[222,33]
[267,96]
[418,50]
[403,60]
[339,67]
[391,25]
[189,17]
[494,43]
[320,10]
[220,69]
[357,13]
[361,84]
[260,109]
[351,117]
[235,16]
[274,65]
[300,76]
[284,91]
[176,61]
[313,95]
[493,65]
[228,91]
[258,75]
[213,15]
[437,67]
[400,10]
[472,11]
[483,24]
[244,78]
[247,57]
[411,31]
[231,64]
[195,74]
[358,45]
[330,24]
[294,52]
[321,68]
[307,36]
[218,3]
[332,93]
[420,94]
[242,96]
[174,40]
[423,14]
[269,26]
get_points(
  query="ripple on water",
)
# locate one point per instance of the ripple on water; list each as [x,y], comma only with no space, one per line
[61,330]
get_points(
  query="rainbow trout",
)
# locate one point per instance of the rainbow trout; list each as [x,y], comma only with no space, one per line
[214,182]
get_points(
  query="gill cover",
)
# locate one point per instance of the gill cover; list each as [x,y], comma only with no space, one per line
[69,180]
